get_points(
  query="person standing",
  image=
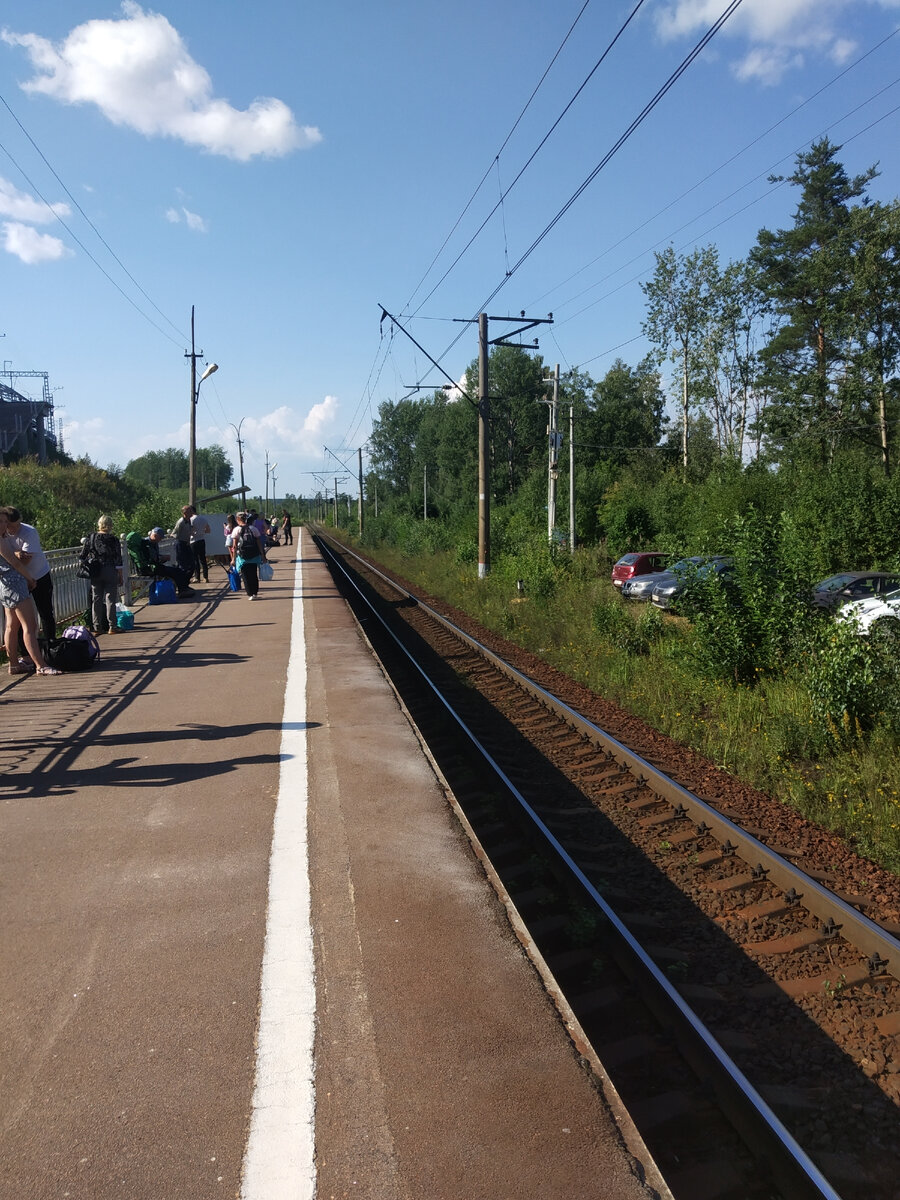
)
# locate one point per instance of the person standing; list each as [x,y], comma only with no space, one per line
[250,551]
[184,555]
[102,554]
[230,529]
[15,597]
[287,528]
[27,549]
[199,530]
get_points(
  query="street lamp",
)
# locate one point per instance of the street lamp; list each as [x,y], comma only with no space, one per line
[193,355]
[240,445]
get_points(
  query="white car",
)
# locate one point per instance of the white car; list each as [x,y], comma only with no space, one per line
[875,614]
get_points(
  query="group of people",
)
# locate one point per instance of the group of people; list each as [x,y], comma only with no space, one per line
[26,585]
[26,592]
[190,543]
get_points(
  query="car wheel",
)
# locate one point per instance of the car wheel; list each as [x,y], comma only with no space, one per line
[887,630]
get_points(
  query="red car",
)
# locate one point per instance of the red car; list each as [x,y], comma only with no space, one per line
[648,562]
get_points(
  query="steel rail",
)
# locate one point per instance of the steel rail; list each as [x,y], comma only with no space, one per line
[829,908]
[792,1168]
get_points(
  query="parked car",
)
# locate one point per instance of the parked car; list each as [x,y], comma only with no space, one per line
[644,562]
[874,615]
[640,587]
[848,586]
[671,586]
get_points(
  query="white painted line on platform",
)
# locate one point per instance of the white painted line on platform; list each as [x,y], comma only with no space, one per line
[279,1162]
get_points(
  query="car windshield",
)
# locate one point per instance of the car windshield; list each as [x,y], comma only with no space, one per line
[895,595]
[835,582]
[626,559]
[684,565]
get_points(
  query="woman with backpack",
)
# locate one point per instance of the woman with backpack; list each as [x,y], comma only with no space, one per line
[249,552]
[101,553]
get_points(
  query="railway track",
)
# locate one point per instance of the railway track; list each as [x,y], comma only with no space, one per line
[677,934]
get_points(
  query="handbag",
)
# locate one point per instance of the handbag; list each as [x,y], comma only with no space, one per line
[82,571]
[234,579]
[266,571]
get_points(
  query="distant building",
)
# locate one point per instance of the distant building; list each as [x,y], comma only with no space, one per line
[26,426]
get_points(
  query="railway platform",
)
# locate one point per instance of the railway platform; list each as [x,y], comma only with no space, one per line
[247,948]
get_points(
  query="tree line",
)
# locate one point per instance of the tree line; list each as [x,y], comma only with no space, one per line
[784,364]
[168,469]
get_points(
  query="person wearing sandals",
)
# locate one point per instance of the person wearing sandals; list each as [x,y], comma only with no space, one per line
[16,584]
[101,552]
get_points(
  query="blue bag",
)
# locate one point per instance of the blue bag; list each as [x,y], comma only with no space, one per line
[234,579]
[162,591]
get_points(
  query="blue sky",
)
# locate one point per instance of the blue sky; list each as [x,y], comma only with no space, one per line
[287,169]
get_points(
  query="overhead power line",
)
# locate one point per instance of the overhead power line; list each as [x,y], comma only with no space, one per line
[74,236]
[540,146]
[496,157]
[614,149]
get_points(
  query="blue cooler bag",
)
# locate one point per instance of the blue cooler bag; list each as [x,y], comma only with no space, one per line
[162,591]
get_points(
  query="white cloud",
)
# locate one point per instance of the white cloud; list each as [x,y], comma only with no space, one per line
[22,207]
[780,32]
[138,72]
[284,430]
[30,246]
[192,220]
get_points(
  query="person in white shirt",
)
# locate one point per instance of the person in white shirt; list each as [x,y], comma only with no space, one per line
[199,530]
[26,544]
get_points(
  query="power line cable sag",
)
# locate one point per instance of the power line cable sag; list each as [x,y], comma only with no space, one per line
[496,157]
[734,157]
[538,149]
[90,223]
[623,138]
[632,128]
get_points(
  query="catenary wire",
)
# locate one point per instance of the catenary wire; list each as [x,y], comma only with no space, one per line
[771,129]
[79,242]
[100,236]
[538,148]
[496,158]
[623,138]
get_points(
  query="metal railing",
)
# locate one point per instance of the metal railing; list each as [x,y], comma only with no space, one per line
[72,595]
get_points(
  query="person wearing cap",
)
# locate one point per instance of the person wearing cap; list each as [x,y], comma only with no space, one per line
[160,562]
[184,554]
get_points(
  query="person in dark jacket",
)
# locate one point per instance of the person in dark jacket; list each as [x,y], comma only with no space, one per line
[102,555]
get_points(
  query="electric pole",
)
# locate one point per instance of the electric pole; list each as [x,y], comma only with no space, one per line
[484,461]
[553,440]
[572,477]
[360,506]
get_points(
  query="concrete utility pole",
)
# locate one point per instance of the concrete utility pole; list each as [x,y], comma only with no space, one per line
[240,446]
[572,478]
[193,355]
[484,462]
[360,505]
[552,462]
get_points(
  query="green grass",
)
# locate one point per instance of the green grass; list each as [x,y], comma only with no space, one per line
[767,736]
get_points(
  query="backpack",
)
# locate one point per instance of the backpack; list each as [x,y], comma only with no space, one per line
[67,654]
[80,633]
[247,544]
